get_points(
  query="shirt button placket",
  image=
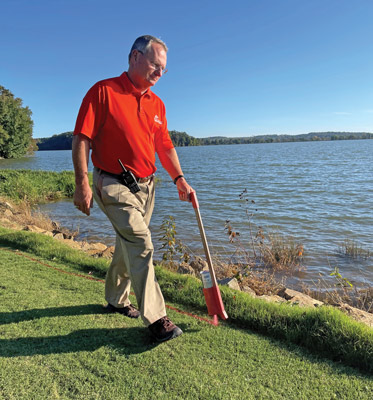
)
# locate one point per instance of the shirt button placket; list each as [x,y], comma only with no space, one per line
[140,108]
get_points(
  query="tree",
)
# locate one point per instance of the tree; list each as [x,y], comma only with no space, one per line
[63,141]
[15,126]
[180,139]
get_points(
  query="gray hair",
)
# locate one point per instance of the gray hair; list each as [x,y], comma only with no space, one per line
[143,44]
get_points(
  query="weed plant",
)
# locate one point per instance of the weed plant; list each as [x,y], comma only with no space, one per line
[340,291]
[172,246]
[255,265]
[351,248]
[341,281]
[267,250]
[256,260]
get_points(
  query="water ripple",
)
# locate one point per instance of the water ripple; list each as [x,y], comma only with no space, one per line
[320,193]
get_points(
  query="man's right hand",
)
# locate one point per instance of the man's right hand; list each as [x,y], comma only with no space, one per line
[83,199]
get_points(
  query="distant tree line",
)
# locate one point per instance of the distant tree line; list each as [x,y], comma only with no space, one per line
[63,141]
[15,126]
[312,136]
[16,133]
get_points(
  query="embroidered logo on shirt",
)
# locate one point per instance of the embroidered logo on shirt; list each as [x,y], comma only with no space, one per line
[157,120]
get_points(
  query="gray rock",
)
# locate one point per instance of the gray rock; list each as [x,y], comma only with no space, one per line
[33,228]
[230,282]
[356,314]
[272,298]
[72,243]
[186,269]
[199,265]
[97,246]
[303,300]
[94,253]
[58,236]
[247,289]
[108,253]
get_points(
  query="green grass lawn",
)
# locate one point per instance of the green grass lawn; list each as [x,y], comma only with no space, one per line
[56,342]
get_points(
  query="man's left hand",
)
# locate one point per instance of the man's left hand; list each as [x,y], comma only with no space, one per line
[184,189]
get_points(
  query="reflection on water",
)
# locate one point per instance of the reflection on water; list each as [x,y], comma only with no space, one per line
[320,193]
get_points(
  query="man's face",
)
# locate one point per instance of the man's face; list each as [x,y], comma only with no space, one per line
[147,68]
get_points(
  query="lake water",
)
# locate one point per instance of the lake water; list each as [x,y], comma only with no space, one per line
[319,193]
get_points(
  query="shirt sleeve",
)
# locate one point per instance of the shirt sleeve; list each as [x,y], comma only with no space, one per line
[163,141]
[91,114]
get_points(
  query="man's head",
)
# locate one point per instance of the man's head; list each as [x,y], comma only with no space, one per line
[147,61]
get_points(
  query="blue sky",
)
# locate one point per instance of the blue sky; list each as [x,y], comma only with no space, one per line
[236,68]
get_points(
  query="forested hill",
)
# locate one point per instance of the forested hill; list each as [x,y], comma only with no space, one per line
[307,137]
[63,140]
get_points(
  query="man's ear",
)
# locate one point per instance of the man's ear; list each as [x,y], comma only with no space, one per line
[135,54]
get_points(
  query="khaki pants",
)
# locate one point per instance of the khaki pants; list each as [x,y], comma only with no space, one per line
[133,256]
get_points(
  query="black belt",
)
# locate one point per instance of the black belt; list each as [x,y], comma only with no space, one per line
[118,176]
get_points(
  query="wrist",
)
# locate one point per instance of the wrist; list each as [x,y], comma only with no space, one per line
[81,178]
[178,177]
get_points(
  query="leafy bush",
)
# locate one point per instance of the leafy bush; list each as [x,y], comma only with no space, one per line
[15,126]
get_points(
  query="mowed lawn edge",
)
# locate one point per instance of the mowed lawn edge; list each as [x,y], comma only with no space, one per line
[57,342]
[324,331]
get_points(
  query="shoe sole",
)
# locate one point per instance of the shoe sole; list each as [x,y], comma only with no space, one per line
[173,334]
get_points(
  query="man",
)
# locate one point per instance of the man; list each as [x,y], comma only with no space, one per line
[122,119]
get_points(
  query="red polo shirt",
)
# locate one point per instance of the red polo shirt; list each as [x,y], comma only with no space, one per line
[123,124]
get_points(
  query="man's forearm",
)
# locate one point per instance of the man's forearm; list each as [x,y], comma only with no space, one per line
[83,192]
[80,155]
[170,162]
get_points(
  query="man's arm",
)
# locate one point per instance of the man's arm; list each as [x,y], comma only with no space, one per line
[83,193]
[170,162]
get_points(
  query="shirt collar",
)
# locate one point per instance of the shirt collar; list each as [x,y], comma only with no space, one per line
[130,88]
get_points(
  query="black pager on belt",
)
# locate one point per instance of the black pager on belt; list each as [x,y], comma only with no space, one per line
[129,179]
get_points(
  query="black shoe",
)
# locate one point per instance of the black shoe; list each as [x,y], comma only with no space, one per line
[164,329]
[128,311]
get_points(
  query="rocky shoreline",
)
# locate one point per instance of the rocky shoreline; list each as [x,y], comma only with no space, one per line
[17,218]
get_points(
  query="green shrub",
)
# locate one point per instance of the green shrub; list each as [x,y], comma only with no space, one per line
[36,186]
[15,126]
